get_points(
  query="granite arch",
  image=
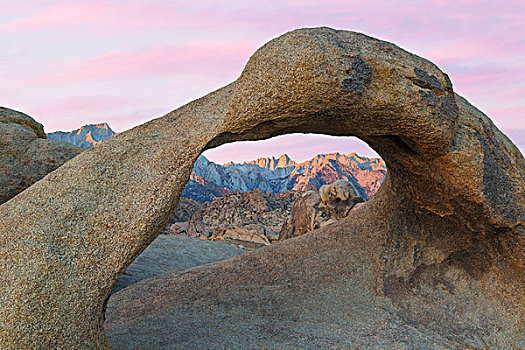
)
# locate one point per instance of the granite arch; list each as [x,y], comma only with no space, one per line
[448,220]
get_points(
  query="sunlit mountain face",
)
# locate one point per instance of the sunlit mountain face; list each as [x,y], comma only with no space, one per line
[86,136]
[276,175]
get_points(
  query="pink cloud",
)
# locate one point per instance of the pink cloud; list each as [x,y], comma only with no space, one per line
[482,77]
[63,114]
[402,19]
[101,14]
[516,111]
[86,104]
[153,49]
[299,147]
[517,136]
[197,58]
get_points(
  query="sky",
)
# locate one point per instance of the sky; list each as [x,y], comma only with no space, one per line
[70,63]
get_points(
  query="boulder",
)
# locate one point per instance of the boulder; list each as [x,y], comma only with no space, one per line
[177,228]
[314,209]
[434,260]
[10,116]
[338,198]
[307,215]
[248,233]
[26,156]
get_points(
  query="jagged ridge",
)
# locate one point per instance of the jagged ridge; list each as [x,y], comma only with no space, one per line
[277,175]
[85,137]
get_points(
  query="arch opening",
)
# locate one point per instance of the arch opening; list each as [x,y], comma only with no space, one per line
[252,194]
[244,192]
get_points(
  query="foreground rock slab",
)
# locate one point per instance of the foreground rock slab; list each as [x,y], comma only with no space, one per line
[173,253]
[297,295]
[435,258]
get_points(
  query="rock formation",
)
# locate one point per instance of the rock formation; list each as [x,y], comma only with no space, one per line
[339,197]
[26,155]
[434,260]
[314,209]
[184,212]
[306,216]
[250,219]
[254,219]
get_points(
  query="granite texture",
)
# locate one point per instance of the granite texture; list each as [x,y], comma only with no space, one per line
[434,260]
[173,253]
[26,155]
[309,212]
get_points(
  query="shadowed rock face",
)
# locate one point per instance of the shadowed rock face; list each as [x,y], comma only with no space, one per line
[435,258]
[313,210]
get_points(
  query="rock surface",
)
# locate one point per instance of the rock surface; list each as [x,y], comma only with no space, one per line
[338,198]
[186,208]
[241,217]
[173,253]
[26,155]
[314,209]
[306,216]
[434,260]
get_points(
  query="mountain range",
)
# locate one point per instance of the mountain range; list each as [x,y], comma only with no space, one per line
[276,175]
[209,180]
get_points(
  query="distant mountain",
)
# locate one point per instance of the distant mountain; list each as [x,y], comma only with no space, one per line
[85,137]
[275,175]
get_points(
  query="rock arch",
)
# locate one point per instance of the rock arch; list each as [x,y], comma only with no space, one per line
[444,234]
